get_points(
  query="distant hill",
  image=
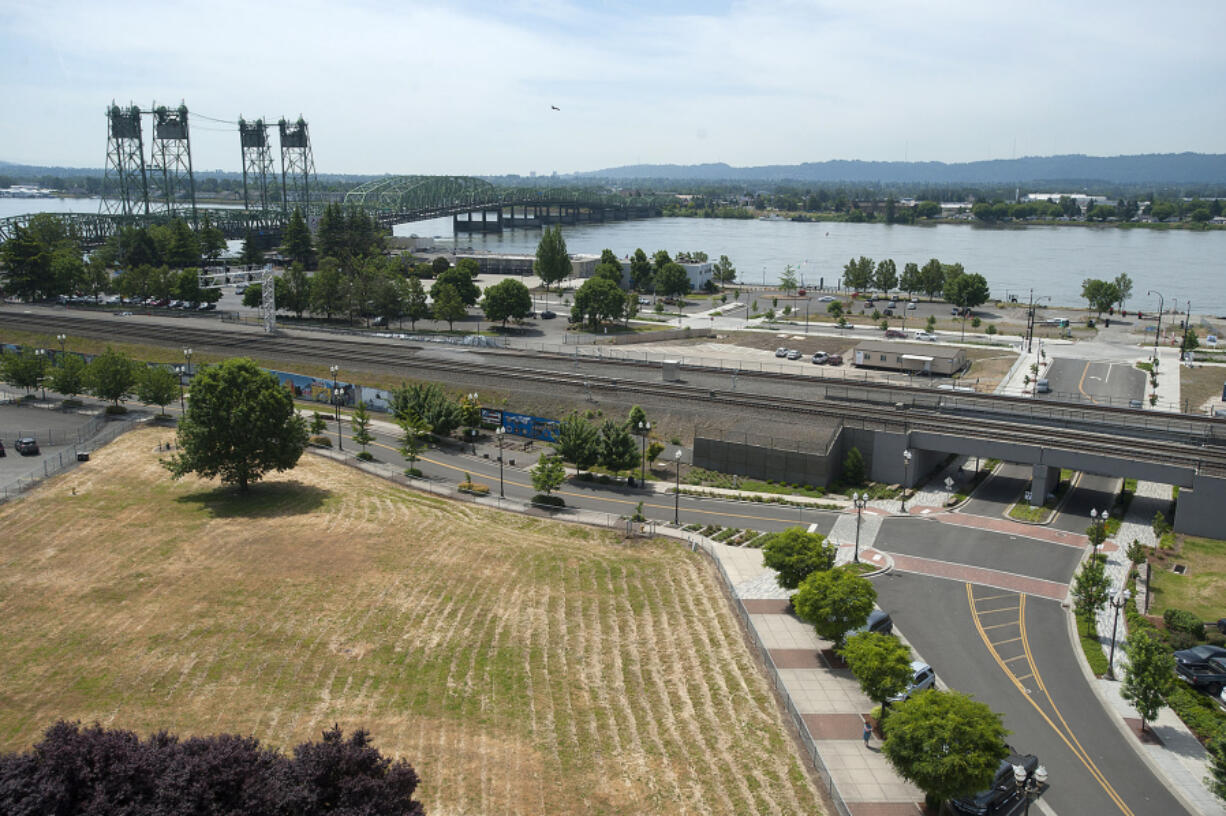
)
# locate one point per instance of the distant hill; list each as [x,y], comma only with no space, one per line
[1156,168]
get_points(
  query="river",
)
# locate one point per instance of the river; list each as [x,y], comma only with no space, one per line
[1181,264]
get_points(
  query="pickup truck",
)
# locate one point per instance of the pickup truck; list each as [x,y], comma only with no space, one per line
[1209,678]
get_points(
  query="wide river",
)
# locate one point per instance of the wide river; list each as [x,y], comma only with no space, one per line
[1183,265]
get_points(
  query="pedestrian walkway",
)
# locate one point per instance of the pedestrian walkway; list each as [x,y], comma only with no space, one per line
[1176,756]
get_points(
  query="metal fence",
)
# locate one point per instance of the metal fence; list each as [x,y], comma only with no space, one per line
[63,436]
[62,460]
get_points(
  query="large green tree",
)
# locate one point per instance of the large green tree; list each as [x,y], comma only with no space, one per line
[945,743]
[157,385]
[296,241]
[40,259]
[547,474]
[858,274]
[911,281]
[552,260]
[23,369]
[796,554]
[111,376]
[459,279]
[596,301]
[724,272]
[448,305]
[428,404]
[329,288]
[932,278]
[506,300]
[252,254]
[1123,286]
[1149,676]
[641,271]
[416,306]
[617,448]
[578,441]
[885,277]
[68,375]
[880,663]
[672,280]
[239,425]
[1091,589]
[1100,294]
[835,601]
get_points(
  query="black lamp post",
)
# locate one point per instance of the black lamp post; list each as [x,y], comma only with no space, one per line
[187,355]
[500,433]
[41,354]
[336,408]
[644,427]
[860,500]
[61,338]
[677,490]
[906,472]
[1029,787]
[1118,603]
[1096,530]
[1158,329]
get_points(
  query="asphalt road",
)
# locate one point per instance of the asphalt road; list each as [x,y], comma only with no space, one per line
[1054,714]
[1101,383]
[1092,492]
[993,497]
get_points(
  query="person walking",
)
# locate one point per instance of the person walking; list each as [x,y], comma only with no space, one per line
[868,732]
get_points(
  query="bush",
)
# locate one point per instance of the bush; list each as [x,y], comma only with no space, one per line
[991,329]
[413,472]
[976,322]
[475,488]
[116,409]
[550,501]
[1198,712]
[321,441]
[1180,620]
[366,456]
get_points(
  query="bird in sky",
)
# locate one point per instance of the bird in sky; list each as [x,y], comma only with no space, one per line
[555,107]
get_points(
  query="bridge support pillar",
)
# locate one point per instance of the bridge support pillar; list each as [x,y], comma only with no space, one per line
[1199,509]
[888,465]
[1043,480]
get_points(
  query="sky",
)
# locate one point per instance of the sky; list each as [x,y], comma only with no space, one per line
[467,88]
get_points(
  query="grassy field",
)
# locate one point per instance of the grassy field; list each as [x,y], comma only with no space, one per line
[1200,590]
[523,666]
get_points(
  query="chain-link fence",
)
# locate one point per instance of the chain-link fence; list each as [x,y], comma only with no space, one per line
[102,433]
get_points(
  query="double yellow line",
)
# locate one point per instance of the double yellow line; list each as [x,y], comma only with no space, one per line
[1063,731]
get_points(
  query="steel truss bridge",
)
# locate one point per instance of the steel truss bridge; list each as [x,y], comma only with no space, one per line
[391,200]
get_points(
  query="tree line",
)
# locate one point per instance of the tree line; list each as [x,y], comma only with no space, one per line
[110,376]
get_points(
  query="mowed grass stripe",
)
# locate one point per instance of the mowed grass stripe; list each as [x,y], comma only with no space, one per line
[523,666]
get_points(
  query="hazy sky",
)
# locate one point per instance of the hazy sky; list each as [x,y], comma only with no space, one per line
[466,88]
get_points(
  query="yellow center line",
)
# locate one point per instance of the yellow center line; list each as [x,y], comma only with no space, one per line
[585,495]
[1082,382]
[1073,745]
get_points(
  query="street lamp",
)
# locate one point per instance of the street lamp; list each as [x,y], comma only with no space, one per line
[61,338]
[1118,602]
[859,500]
[187,353]
[1158,330]
[1096,528]
[41,354]
[336,409]
[677,490]
[500,433]
[644,427]
[906,472]
[1029,787]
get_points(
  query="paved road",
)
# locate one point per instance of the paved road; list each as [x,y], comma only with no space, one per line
[993,497]
[1093,381]
[1053,714]
[1091,493]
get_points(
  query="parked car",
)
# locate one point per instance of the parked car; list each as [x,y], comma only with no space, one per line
[802,291]
[644,301]
[1198,655]
[547,315]
[912,305]
[793,354]
[207,307]
[898,333]
[868,304]
[922,677]
[27,446]
[888,312]
[820,357]
[1209,678]
[878,621]
[781,352]
[1003,792]
[835,360]
[1042,386]
[923,335]
[826,299]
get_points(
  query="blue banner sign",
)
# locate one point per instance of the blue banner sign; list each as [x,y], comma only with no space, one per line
[530,426]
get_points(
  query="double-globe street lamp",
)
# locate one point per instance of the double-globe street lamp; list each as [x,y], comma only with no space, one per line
[1158,329]
[500,432]
[906,472]
[677,490]
[860,500]
[644,427]
[187,355]
[1117,602]
[1097,522]
[336,408]
[1028,786]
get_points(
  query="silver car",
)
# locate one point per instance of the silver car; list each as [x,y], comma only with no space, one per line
[922,677]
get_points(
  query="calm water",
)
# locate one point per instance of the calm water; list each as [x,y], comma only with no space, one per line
[1053,261]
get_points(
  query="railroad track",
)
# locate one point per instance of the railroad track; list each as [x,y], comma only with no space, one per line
[916,416]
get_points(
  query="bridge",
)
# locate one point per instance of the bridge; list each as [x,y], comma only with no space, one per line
[392,200]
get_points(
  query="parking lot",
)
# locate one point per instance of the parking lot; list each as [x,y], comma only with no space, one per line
[55,431]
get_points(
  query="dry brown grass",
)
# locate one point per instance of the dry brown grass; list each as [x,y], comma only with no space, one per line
[523,666]
[1200,385]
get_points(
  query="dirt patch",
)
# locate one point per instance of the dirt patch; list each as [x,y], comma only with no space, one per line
[1200,387]
[523,666]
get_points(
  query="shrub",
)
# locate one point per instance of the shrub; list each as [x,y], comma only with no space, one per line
[550,501]
[976,322]
[475,488]
[413,472]
[1181,620]
[1198,712]
[991,329]
[116,409]
[366,456]
[321,441]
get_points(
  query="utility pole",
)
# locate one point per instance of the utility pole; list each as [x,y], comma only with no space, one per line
[1030,324]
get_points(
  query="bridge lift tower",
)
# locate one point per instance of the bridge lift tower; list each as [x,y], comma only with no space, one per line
[125,184]
[257,164]
[171,160]
[297,166]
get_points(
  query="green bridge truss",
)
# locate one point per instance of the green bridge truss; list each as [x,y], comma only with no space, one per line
[391,200]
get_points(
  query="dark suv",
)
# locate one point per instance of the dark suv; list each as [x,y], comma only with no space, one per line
[1004,790]
[27,446]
